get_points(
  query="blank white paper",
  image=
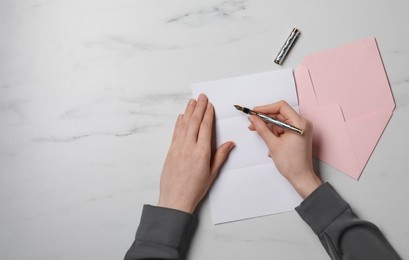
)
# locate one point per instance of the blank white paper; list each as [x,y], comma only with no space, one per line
[249,185]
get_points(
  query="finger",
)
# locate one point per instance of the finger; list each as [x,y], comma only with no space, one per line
[277,131]
[184,120]
[270,126]
[206,127]
[280,107]
[190,107]
[263,131]
[280,117]
[178,128]
[274,129]
[196,118]
[220,157]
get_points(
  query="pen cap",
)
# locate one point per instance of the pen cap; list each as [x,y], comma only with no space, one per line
[289,43]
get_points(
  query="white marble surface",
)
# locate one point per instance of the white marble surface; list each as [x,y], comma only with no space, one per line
[89,91]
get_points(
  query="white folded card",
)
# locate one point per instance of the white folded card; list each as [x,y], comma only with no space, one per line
[248,185]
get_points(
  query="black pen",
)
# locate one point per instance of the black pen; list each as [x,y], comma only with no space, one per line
[270,120]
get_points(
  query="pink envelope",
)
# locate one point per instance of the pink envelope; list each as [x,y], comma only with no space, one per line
[345,92]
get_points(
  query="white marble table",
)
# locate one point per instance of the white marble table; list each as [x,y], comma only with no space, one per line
[89,91]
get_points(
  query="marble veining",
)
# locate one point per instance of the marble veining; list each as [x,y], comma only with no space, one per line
[133,110]
[127,45]
[225,9]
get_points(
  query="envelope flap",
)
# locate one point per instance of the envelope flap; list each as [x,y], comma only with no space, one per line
[305,89]
[331,141]
[365,133]
[352,76]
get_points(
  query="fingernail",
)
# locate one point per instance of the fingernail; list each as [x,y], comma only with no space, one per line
[202,97]
[232,145]
[191,101]
[251,119]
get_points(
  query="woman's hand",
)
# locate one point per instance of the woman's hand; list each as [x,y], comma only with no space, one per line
[190,168]
[291,153]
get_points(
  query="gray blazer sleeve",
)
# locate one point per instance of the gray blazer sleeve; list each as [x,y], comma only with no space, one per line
[343,235]
[162,234]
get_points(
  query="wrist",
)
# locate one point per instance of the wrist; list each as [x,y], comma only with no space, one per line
[176,205]
[307,184]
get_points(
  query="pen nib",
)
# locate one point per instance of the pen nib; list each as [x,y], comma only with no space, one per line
[244,109]
[238,107]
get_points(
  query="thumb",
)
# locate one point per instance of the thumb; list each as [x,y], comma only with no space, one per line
[263,131]
[220,156]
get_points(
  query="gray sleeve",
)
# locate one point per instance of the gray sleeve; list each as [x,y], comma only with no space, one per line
[162,234]
[340,231]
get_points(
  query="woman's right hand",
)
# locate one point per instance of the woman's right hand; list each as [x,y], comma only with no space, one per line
[291,153]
